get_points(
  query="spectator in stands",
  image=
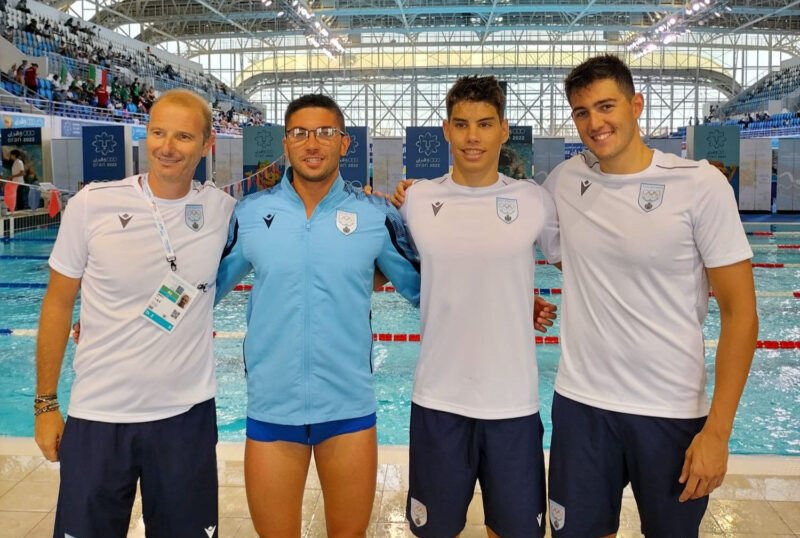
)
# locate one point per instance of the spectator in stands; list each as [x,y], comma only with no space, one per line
[746,120]
[101,94]
[73,93]
[8,34]
[22,6]
[30,77]
[12,72]
[19,77]
[148,98]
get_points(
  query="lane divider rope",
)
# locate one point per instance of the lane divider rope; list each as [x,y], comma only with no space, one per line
[415,337]
[539,262]
[390,289]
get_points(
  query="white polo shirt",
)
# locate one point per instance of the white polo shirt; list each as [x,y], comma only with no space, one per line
[477,257]
[635,248]
[126,368]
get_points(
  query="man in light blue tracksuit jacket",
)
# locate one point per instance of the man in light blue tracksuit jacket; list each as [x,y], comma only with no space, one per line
[314,242]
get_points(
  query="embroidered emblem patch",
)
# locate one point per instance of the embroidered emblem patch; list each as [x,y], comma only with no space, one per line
[650,196]
[346,222]
[558,515]
[507,210]
[193,216]
[419,513]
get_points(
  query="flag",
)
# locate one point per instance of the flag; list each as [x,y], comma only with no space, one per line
[98,75]
[10,195]
[55,203]
[66,77]
[34,197]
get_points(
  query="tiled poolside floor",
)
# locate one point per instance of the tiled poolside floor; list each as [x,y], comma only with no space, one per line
[760,498]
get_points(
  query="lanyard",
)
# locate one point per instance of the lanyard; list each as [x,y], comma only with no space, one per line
[159,222]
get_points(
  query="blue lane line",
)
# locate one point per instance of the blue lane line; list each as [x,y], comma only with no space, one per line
[20,257]
[21,285]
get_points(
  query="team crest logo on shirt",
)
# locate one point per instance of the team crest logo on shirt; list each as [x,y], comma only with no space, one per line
[193,216]
[557,515]
[507,210]
[419,513]
[650,196]
[346,222]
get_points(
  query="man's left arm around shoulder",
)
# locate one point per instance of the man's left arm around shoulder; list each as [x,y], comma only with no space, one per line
[707,457]
[398,260]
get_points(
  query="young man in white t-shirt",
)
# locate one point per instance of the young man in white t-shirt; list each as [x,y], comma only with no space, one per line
[144,253]
[475,405]
[643,234]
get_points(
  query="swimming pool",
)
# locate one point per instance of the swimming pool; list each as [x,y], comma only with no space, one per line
[768,421]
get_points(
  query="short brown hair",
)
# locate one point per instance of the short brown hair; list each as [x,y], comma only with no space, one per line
[478,90]
[603,67]
[314,100]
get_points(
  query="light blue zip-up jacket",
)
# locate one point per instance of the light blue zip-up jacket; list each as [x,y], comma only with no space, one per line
[308,349]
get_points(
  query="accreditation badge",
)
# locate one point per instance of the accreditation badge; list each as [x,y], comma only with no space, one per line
[170,302]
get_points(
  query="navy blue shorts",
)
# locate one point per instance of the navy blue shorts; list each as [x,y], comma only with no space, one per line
[309,434]
[449,452]
[594,453]
[175,459]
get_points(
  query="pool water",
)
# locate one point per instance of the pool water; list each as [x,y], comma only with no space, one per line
[768,420]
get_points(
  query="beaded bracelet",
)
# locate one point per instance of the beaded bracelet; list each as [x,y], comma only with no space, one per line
[52,406]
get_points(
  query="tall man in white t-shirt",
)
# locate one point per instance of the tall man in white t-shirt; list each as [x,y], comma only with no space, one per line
[144,253]
[475,410]
[643,234]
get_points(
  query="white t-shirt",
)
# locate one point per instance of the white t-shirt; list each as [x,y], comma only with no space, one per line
[635,248]
[18,167]
[477,256]
[126,368]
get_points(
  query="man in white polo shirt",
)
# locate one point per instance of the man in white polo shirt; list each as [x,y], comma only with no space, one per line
[144,253]
[475,403]
[643,234]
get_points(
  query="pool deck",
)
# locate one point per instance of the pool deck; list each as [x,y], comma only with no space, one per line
[760,498]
